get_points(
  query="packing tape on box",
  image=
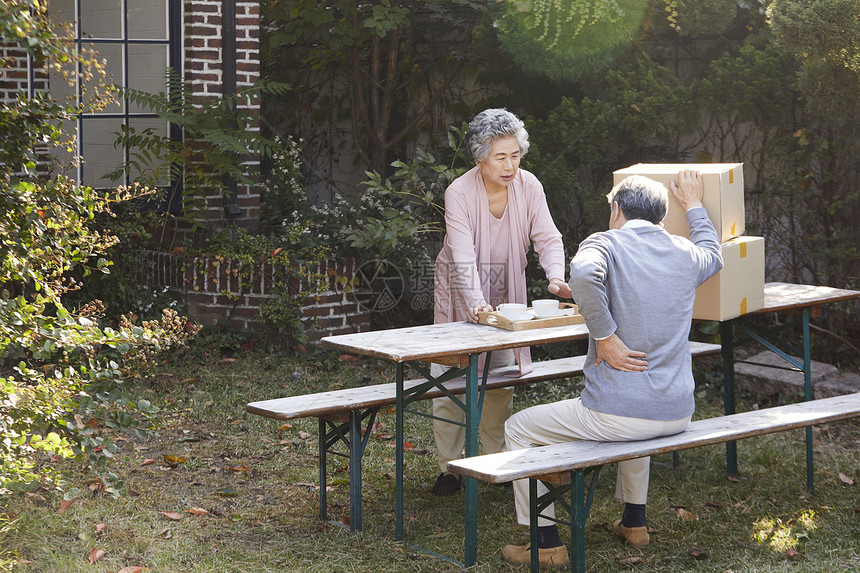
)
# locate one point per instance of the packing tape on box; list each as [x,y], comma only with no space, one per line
[731,176]
[743,249]
[744,306]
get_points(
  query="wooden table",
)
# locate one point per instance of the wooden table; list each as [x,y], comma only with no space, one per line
[457,344]
[802,300]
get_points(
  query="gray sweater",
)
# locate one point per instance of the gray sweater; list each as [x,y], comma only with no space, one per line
[640,283]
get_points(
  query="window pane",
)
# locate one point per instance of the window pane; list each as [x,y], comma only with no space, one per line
[158,127]
[147,65]
[101,19]
[100,155]
[112,54]
[147,20]
[63,12]
[60,88]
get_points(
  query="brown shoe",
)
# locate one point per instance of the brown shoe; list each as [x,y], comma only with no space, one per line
[635,536]
[521,555]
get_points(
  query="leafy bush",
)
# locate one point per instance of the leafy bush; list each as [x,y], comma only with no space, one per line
[61,368]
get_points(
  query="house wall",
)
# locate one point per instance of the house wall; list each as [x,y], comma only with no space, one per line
[210,288]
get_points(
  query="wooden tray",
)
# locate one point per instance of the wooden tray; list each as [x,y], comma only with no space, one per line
[495,318]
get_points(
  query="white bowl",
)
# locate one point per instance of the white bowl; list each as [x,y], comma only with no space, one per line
[513,310]
[545,307]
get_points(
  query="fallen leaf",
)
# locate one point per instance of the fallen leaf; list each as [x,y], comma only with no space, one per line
[794,553]
[714,504]
[734,479]
[173,460]
[165,533]
[226,492]
[198,511]
[300,348]
[845,479]
[133,569]
[698,553]
[66,504]
[629,561]
[25,562]
[226,360]
[241,468]
[283,427]
[347,358]
[95,555]
[172,515]
[101,526]
[304,435]
[408,446]
[686,515]
[147,461]
[36,497]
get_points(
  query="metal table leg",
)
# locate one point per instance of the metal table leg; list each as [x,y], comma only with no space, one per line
[398,455]
[470,485]
[728,353]
[807,388]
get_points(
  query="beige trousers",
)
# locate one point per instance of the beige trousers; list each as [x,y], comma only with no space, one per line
[569,420]
[498,405]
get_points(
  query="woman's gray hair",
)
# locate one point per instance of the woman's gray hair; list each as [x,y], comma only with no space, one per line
[490,125]
[640,198]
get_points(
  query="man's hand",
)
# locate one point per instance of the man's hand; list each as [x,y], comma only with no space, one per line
[616,354]
[689,191]
[559,288]
[472,311]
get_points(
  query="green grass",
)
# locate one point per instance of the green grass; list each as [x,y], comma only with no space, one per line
[765,522]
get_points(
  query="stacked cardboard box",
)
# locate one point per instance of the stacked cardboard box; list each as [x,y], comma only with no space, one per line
[739,287]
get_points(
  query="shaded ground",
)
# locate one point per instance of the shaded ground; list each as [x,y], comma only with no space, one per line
[217,489]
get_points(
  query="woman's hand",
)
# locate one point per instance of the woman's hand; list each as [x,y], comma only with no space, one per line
[559,288]
[615,353]
[472,311]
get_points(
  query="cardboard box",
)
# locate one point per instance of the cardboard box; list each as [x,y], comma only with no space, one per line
[739,287]
[724,194]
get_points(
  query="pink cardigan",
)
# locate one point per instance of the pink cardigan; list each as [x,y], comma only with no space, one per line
[463,270]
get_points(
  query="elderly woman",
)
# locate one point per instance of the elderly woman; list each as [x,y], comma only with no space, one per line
[493,214]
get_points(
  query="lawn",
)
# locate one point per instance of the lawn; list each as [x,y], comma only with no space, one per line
[217,489]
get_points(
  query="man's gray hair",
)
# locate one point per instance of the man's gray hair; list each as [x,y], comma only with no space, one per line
[490,125]
[640,198]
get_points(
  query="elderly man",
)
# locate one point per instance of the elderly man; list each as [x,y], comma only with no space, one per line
[635,286]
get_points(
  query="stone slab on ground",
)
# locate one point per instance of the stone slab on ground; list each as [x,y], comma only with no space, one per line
[827,380]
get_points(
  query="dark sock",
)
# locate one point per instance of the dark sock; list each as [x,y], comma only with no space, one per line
[548,537]
[634,515]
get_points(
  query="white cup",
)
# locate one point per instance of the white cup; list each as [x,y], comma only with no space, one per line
[545,307]
[513,310]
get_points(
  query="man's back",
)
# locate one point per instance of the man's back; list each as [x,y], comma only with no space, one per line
[639,282]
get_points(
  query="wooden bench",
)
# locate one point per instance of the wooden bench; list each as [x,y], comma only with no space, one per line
[346,416]
[562,467]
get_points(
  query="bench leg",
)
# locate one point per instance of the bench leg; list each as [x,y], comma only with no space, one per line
[577,509]
[348,433]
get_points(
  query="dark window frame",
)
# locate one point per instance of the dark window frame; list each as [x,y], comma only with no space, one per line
[173,43]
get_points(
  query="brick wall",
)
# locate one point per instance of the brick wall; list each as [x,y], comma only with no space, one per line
[204,69]
[13,72]
[212,292]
